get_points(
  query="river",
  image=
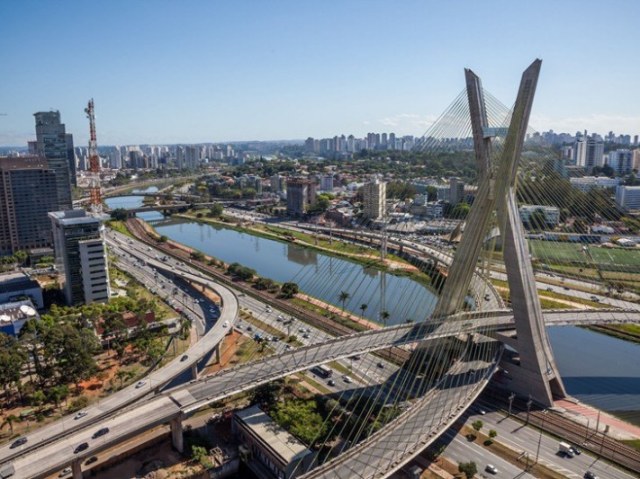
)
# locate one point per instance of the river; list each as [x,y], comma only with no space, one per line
[596,369]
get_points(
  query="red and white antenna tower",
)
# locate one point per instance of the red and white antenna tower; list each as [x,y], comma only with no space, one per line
[94,161]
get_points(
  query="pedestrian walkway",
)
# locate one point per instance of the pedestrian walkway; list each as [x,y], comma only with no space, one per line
[592,417]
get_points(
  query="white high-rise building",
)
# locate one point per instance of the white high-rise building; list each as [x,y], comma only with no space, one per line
[589,151]
[81,256]
[621,161]
[374,197]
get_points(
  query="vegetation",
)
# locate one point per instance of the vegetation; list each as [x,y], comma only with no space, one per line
[469,469]
[288,290]
[236,270]
[301,418]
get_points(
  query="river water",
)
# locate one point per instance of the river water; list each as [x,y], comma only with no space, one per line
[596,369]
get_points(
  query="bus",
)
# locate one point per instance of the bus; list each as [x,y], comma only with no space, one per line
[322,371]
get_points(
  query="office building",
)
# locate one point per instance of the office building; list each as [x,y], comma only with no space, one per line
[587,183]
[551,214]
[636,159]
[374,195]
[81,256]
[456,190]
[27,194]
[266,448]
[628,197]
[56,146]
[326,183]
[19,286]
[301,193]
[621,161]
[589,151]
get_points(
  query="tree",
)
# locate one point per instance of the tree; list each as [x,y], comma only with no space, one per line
[289,290]
[163,239]
[215,211]
[9,420]
[267,394]
[21,256]
[477,425]
[384,315]
[493,433]
[469,469]
[119,214]
[460,211]
[343,297]
[264,284]
[363,308]
[197,255]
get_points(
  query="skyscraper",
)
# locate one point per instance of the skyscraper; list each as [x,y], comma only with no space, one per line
[80,256]
[300,194]
[374,196]
[53,144]
[27,194]
[589,151]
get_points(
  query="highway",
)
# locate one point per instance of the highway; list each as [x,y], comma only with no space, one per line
[526,439]
[151,383]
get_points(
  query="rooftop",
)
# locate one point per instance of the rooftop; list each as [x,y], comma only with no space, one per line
[280,441]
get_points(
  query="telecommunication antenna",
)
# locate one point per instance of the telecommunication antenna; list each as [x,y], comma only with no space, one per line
[94,162]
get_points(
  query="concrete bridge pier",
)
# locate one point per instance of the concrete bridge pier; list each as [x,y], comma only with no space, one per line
[177,439]
[216,352]
[76,469]
[194,371]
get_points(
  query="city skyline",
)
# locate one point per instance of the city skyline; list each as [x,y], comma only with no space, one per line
[209,72]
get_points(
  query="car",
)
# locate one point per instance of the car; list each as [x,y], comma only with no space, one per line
[566,287]
[80,415]
[91,460]
[81,447]
[249,328]
[491,468]
[100,432]
[355,357]
[64,472]
[225,324]
[380,365]
[287,347]
[549,288]
[347,379]
[482,412]
[595,299]
[575,450]
[331,382]
[590,475]
[305,336]
[139,384]
[18,442]
[275,339]
[184,357]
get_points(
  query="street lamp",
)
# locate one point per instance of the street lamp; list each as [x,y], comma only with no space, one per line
[512,396]
[544,415]
[529,403]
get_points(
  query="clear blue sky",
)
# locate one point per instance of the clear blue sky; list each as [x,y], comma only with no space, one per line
[196,71]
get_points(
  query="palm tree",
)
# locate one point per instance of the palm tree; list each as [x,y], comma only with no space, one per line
[9,420]
[343,297]
[363,308]
[384,315]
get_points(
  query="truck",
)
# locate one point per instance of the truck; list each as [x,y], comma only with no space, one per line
[564,448]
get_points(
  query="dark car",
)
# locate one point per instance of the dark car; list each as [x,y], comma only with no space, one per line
[91,460]
[81,447]
[100,432]
[18,442]
[590,475]
[184,357]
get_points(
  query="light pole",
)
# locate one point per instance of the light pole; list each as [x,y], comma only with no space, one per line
[544,416]
[512,396]
[529,403]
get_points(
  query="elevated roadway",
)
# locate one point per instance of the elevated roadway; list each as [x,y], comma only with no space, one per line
[173,405]
[151,383]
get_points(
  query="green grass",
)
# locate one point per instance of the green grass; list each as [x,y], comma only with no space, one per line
[120,227]
[557,252]
[635,443]
[356,327]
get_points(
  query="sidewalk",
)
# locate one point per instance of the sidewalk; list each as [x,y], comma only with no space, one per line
[588,415]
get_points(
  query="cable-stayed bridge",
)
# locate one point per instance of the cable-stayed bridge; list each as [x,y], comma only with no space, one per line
[469,343]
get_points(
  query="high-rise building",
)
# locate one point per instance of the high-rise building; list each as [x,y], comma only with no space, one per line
[56,146]
[81,256]
[326,182]
[374,196]
[621,161]
[27,194]
[301,193]
[589,151]
[456,190]
[276,183]
[636,159]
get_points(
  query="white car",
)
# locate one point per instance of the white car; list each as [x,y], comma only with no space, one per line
[139,384]
[80,415]
[347,379]
[491,468]
[225,324]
